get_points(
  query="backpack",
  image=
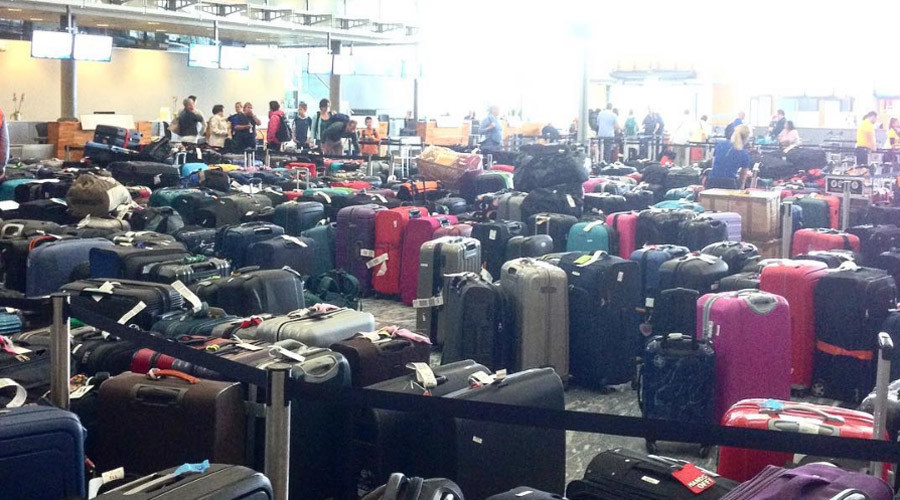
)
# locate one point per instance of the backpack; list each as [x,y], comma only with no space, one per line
[283,134]
[334,287]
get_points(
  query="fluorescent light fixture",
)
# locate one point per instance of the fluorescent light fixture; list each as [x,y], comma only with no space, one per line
[343,64]
[203,56]
[51,44]
[319,64]
[231,57]
[93,48]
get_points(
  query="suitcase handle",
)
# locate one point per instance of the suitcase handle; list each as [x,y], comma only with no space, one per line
[827,417]
[156,374]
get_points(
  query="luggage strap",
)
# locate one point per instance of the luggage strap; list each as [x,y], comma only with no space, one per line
[156,374]
[20,395]
[840,351]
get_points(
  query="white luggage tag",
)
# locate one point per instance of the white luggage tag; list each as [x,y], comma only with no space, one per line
[591,225]
[424,375]
[20,395]
[140,306]
[188,296]
[437,300]
[366,252]
[381,259]
[279,352]
[96,483]
[294,240]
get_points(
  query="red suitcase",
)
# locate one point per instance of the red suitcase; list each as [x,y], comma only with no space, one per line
[311,167]
[418,232]
[625,224]
[809,240]
[795,280]
[459,230]
[503,168]
[358,185]
[390,226]
[741,464]
[292,195]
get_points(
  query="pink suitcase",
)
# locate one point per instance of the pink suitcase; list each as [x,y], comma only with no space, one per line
[459,230]
[751,334]
[591,185]
[418,231]
[732,221]
[625,224]
[390,226]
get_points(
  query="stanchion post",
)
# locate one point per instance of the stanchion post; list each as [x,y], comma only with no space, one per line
[278,430]
[845,207]
[882,379]
[787,228]
[490,161]
[60,357]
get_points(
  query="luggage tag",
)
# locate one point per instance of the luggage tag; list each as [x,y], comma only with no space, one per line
[366,252]
[20,395]
[694,478]
[424,377]
[279,352]
[294,240]
[134,311]
[381,259]
[188,296]
[486,275]
[109,476]
[437,300]
[378,335]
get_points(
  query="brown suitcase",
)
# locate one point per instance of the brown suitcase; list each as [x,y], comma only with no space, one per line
[147,425]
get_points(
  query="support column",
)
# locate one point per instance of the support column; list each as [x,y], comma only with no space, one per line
[68,77]
[335,84]
[584,39]
[415,109]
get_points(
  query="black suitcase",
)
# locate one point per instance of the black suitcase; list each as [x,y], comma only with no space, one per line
[529,246]
[232,242]
[563,199]
[93,352]
[660,226]
[638,199]
[879,215]
[555,225]
[494,237]
[219,482]
[889,261]
[605,203]
[478,322]
[655,174]
[679,177]
[159,219]
[141,239]
[230,209]
[378,356]
[697,234]
[117,136]
[295,252]
[189,270]
[739,281]
[525,493]
[198,240]
[145,173]
[604,291]
[874,240]
[298,216]
[737,254]
[695,272]
[832,258]
[23,228]
[675,311]
[189,203]
[448,205]
[52,210]
[272,291]
[116,299]
[622,474]
[131,262]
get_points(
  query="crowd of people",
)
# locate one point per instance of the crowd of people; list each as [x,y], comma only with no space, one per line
[238,132]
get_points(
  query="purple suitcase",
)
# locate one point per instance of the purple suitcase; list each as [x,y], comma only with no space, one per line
[751,332]
[355,242]
[811,482]
[732,221]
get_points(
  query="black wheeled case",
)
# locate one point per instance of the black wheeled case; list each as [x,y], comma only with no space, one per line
[119,298]
[529,246]
[189,270]
[739,281]
[218,482]
[478,323]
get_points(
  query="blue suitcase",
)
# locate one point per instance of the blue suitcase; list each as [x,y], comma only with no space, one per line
[325,237]
[10,322]
[220,482]
[298,216]
[49,266]
[298,253]
[41,454]
[232,241]
[591,237]
[651,258]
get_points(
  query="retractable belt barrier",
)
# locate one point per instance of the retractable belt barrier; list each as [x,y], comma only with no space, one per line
[838,447]
[299,154]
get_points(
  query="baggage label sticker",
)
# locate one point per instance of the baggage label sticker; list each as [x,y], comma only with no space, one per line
[492,235]
[570,200]
[140,306]
[188,295]
[366,252]
[694,478]
[377,260]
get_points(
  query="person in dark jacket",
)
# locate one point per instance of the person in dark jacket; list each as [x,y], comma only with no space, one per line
[339,127]
[778,123]
[302,125]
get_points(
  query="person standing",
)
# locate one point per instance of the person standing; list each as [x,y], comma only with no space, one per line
[302,125]
[865,138]
[731,126]
[277,131]
[320,121]
[189,123]
[4,143]
[778,123]
[682,136]
[238,111]
[492,130]
[607,126]
[340,127]
[217,129]
[245,130]
[370,139]
[731,161]
[631,129]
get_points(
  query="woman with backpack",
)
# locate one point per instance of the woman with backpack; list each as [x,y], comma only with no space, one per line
[277,131]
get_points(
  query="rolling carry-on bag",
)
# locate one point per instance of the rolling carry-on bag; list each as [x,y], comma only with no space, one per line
[117,299]
[650,259]
[438,258]
[557,226]
[591,237]
[732,222]
[355,244]
[318,326]
[528,246]
[224,482]
[298,216]
[254,291]
[382,355]
[418,232]
[740,281]
[605,203]
[538,295]
[232,242]
[737,254]
[510,206]
[525,493]
[816,480]
[808,240]
[118,262]
[390,227]
[198,240]
[815,211]
[625,225]
[477,322]
[297,253]
[659,227]
[698,233]
[674,311]
[189,270]
[751,334]
[50,265]
[494,237]
[325,237]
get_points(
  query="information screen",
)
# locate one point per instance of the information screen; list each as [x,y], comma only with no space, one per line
[203,56]
[51,45]
[93,48]
[234,58]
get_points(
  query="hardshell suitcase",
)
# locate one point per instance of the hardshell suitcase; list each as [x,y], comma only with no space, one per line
[591,237]
[188,271]
[808,240]
[557,226]
[297,253]
[650,258]
[325,237]
[529,246]
[674,311]
[625,225]
[538,295]
[438,258]
[751,334]
[355,244]
[390,227]
[418,232]
[678,379]
[510,207]
[477,322]
[737,254]
[222,482]
[263,291]
[796,282]
[298,216]
[494,237]
[316,326]
[378,356]
[232,242]
[732,222]
[198,240]
[50,265]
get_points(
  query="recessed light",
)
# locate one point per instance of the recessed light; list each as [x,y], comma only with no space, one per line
[160,31]
[102,25]
[14,10]
[151,23]
[35,19]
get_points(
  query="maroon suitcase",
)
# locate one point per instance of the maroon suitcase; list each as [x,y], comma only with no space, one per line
[355,242]
[458,230]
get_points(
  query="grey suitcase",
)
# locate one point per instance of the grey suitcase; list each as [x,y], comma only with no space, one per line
[510,207]
[439,257]
[539,296]
[316,327]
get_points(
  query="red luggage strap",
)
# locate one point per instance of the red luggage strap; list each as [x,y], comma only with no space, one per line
[840,351]
[156,373]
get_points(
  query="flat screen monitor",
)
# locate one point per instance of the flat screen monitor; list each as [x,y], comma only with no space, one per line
[203,56]
[319,64]
[51,45]
[234,58]
[343,64]
[93,48]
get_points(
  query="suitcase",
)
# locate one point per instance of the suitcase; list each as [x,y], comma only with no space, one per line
[851,304]
[226,482]
[605,203]
[875,240]
[232,242]
[485,458]
[738,255]
[808,240]
[494,237]
[159,219]
[130,262]
[230,209]
[674,311]
[378,356]
[316,326]
[190,204]
[882,214]
[752,337]
[141,239]
[52,210]
[117,299]
[355,244]
[593,185]
[476,322]
[325,237]
[658,227]
[484,182]
[528,246]
[526,493]
[296,217]
[198,240]
[557,226]
[732,222]
[458,230]
[145,173]
[796,282]
[740,281]
[815,211]
[818,480]
[41,453]
[188,271]
[889,261]
[186,327]
[437,258]
[591,237]
[638,199]
[604,291]
[831,258]
[538,296]
[390,226]
[418,232]
[741,464]
[297,253]
[624,474]
[701,232]
[24,228]
[679,205]
[264,291]
[182,419]
[650,258]
[50,265]
[625,225]
[92,352]
[510,207]
[679,177]
[678,380]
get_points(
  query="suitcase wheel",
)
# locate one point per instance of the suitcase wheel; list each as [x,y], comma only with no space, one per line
[818,389]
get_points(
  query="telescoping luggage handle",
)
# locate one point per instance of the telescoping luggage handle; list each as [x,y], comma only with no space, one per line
[882,380]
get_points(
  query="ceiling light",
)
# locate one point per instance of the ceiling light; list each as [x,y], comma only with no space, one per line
[160,31]
[102,25]
[151,23]
[35,19]
[14,10]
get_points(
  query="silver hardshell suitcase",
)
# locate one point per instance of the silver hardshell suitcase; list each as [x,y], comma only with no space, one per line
[510,207]
[314,327]
[439,257]
[539,296]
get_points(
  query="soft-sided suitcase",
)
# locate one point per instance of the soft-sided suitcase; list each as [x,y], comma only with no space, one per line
[50,265]
[219,481]
[732,222]
[851,303]
[182,419]
[230,209]
[390,227]
[650,258]
[316,326]
[494,237]
[678,379]
[461,230]
[198,240]
[325,237]
[555,225]
[674,311]
[298,216]
[438,258]
[538,295]
[141,239]
[808,240]
[741,464]
[485,458]
[698,233]
[604,291]
[621,474]
[160,219]
[737,254]
[875,240]
[680,177]
[605,203]
[796,282]
[382,355]
[741,281]
[41,453]
[816,480]
[831,258]
[591,237]
[529,246]
[264,291]
[638,199]
[751,333]
[418,232]
[355,244]
[477,322]
[625,225]
[144,173]
[232,242]
[130,262]
[118,299]
[658,227]
[297,253]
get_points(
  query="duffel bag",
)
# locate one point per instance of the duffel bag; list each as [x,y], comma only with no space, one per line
[96,196]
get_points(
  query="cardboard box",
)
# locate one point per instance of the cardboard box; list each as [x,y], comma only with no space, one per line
[768,249]
[758,209]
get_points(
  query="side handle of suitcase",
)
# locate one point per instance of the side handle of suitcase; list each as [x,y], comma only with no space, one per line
[882,379]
